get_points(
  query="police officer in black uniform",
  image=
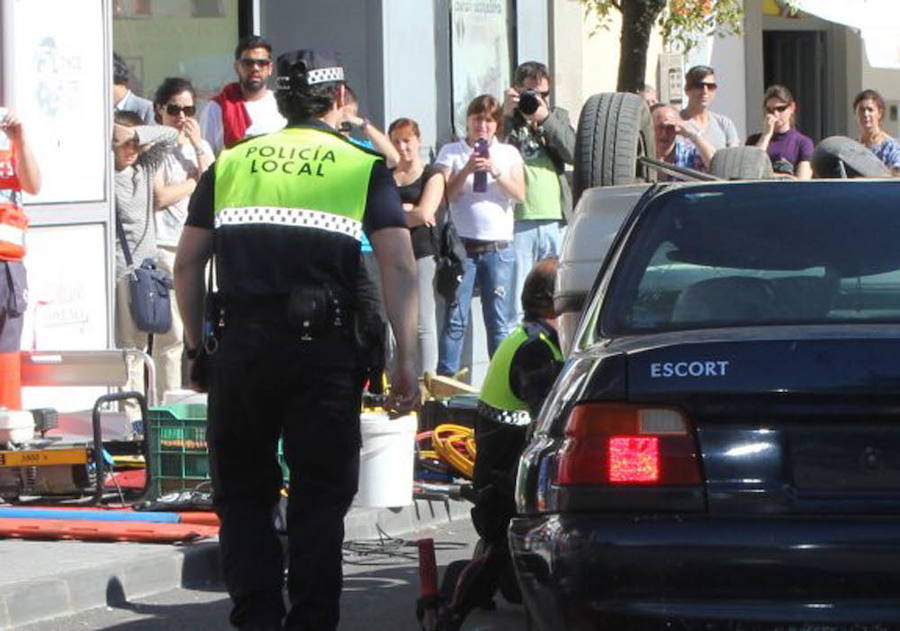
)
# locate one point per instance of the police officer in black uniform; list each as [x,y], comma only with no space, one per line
[519,377]
[283,214]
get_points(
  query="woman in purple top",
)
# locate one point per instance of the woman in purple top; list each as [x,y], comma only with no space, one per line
[789,150]
[869,108]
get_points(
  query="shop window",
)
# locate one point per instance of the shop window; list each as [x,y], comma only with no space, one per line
[208,8]
[175,38]
[123,9]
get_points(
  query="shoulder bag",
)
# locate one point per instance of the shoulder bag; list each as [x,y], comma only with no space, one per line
[149,290]
[449,254]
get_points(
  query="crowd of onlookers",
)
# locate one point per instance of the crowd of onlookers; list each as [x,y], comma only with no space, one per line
[690,137]
[503,184]
[507,201]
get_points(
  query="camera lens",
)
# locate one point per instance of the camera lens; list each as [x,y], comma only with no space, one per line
[529,102]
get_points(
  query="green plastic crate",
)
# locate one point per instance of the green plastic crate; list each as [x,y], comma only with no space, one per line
[178,454]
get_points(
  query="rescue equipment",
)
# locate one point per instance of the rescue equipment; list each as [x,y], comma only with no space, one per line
[449,443]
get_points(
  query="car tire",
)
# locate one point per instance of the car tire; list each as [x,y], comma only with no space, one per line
[741,163]
[858,161]
[614,130]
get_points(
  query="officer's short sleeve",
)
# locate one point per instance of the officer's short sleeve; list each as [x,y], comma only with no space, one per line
[200,208]
[532,373]
[383,206]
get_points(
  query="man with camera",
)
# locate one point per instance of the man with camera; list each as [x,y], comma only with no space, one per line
[545,138]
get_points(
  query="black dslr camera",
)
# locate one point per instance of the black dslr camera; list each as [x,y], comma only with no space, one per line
[529,102]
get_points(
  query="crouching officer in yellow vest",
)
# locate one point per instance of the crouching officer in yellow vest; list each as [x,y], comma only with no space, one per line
[519,377]
[283,215]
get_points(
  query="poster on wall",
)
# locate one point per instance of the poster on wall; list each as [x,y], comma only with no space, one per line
[60,95]
[66,302]
[480,53]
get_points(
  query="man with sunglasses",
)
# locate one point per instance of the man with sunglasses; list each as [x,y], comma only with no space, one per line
[717,129]
[546,140]
[246,107]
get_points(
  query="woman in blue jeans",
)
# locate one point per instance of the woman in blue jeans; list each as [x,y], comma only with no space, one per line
[481,189]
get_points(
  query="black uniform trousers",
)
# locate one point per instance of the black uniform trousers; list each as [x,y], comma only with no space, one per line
[499,447]
[265,383]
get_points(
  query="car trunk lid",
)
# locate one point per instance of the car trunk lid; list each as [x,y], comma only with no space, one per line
[806,423]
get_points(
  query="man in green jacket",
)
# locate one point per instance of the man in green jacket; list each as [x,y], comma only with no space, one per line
[544,136]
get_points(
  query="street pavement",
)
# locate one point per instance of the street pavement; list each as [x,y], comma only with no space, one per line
[380,588]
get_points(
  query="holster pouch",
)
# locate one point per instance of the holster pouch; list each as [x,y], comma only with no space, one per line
[315,310]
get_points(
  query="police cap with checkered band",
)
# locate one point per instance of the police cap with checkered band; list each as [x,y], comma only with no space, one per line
[300,69]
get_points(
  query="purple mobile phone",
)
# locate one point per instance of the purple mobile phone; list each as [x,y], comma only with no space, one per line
[481,150]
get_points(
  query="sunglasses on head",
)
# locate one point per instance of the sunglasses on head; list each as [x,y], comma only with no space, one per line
[249,62]
[777,108]
[173,110]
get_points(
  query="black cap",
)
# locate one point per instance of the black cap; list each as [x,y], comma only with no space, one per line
[303,68]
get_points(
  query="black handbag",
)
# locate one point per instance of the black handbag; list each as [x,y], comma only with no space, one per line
[449,254]
[149,290]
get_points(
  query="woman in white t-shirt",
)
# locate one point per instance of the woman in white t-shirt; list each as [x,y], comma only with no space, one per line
[175,181]
[484,221]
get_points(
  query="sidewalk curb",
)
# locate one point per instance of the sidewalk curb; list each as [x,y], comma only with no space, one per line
[195,565]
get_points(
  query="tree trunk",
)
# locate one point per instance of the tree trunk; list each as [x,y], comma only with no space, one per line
[638,17]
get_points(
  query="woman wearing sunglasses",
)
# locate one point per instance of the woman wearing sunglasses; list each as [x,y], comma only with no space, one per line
[717,129]
[175,181]
[788,149]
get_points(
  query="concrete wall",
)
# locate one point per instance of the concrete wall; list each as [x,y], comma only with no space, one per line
[844,62]
[410,66]
[600,55]
[532,32]
[887,82]
[566,56]
[352,27]
[727,56]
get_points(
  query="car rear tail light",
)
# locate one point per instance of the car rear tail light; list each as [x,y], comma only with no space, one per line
[617,444]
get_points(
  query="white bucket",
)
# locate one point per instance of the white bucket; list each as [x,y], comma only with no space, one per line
[386,460]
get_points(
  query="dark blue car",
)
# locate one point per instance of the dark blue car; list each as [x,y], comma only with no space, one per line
[722,449]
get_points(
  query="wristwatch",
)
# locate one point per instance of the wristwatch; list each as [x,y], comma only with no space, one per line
[192,353]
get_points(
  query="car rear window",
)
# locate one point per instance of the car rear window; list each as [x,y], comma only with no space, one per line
[760,254]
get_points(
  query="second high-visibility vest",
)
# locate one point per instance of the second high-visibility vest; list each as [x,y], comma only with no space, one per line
[497,399]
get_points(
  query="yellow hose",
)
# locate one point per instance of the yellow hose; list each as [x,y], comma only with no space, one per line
[442,440]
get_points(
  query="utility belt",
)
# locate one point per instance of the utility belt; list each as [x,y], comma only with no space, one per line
[477,246]
[312,311]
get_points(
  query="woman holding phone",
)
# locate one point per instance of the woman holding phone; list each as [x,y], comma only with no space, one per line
[484,221]
[177,178]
